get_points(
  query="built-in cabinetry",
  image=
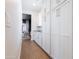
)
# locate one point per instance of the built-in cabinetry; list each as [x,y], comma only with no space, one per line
[46,27]
[56,35]
[61,31]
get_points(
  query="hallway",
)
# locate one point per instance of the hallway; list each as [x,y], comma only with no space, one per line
[49,26]
[30,50]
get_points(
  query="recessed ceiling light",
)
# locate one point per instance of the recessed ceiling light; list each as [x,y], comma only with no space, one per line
[34,4]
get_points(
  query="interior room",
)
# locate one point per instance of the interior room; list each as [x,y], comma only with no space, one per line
[26,26]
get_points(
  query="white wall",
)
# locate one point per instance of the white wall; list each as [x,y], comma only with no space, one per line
[13,29]
[26,11]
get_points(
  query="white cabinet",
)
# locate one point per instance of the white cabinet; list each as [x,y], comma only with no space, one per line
[36,31]
[61,36]
[46,34]
[39,36]
[56,35]
[46,28]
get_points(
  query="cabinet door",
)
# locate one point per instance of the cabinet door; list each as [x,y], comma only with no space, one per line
[61,43]
[37,36]
[46,28]
[46,36]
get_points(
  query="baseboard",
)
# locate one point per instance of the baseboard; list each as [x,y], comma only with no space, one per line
[42,49]
[20,47]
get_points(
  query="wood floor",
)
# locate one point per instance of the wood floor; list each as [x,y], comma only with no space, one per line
[30,50]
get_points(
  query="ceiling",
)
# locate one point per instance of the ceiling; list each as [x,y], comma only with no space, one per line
[32,5]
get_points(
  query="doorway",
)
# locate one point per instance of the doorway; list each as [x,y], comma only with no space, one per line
[26,26]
